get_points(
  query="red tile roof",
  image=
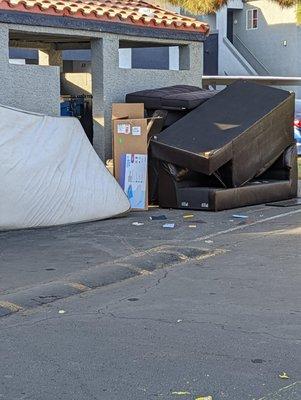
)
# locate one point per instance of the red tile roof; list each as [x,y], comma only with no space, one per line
[125,11]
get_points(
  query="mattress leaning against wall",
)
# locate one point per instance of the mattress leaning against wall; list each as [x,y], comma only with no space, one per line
[50,173]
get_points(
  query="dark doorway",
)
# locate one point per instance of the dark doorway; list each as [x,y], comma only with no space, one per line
[211,55]
[230,25]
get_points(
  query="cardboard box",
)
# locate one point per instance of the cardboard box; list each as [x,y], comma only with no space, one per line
[133,179]
[124,110]
[130,145]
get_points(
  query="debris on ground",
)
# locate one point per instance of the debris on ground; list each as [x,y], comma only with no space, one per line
[181,393]
[244,222]
[158,217]
[209,241]
[169,225]
[186,216]
[137,223]
[283,375]
[286,203]
[257,361]
[240,216]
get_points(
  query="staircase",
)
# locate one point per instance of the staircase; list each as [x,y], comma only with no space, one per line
[233,62]
[250,57]
[235,58]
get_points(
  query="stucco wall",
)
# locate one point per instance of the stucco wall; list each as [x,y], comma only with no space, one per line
[28,87]
[117,82]
[275,25]
[37,88]
[230,61]
[76,83]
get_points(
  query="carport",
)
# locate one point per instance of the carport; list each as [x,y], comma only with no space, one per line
[105,29]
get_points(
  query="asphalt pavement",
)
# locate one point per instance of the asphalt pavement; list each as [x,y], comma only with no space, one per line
[35,256]
[222,322]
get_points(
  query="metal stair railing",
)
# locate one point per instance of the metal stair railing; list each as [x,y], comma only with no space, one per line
[259,67]
[239,57]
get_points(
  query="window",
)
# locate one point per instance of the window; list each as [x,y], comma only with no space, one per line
[23,56]
[252,19]
[150,55]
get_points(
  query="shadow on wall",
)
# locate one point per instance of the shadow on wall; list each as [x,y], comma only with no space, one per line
[80,106]
[76,83]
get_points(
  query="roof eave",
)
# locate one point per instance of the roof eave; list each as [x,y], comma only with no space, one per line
[33,19]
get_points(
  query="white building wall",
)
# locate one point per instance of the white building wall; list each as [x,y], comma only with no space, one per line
[277,40]
[174,58]
[125,58]
[230,61]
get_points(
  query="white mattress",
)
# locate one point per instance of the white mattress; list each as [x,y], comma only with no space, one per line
[50,173]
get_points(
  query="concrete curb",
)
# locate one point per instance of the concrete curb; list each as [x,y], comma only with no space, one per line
[140,263]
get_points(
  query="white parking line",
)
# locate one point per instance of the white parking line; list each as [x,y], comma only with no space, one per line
[240,227]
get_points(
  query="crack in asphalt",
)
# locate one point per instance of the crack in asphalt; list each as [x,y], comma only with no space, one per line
[112,315]
[104,312]
[101,311]
[157,283]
